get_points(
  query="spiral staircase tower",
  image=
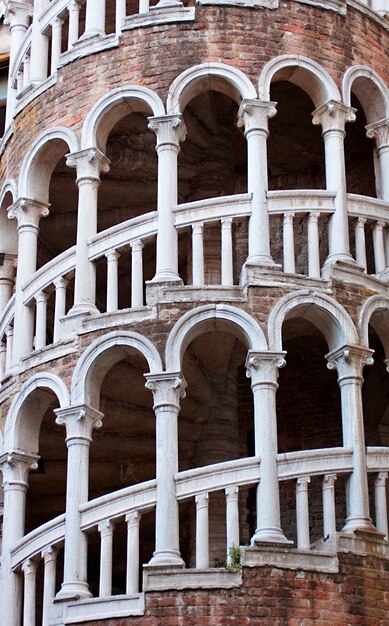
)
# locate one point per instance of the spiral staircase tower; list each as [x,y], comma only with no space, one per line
[194,313]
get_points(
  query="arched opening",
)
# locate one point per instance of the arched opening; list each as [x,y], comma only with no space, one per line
[122,453]
[212,163]
[359,154]
[215,425]
[8,250]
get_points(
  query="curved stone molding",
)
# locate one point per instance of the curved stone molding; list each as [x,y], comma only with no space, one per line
[9,186]
[380,304]
[373,95]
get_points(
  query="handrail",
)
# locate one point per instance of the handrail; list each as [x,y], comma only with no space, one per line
[141,227]
[7,315]
[377,458]
[365,206]
[49,534]
[314,462]
[46,275]
[301,200]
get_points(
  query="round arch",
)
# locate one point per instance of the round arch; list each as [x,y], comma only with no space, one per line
[212,317]
[25,415]
[321,310]
[112,107]
[90,371]
[370,89]
[301,71]
[10,187]
[208,76]
[380,304]
[40,160]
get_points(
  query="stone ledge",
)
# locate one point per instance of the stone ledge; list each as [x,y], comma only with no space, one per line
[164,579]
[71,612]
[286,557]
[160,16]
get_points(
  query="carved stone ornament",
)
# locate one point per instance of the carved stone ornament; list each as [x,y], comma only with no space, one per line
[89,163]
[167,388]
[254,115]
[349,360]
[16,466]
[170,129]
[379,131]
[79,420]
[264,366]
[333,115]
[27,211]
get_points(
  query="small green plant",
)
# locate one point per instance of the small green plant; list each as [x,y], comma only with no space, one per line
[233,563]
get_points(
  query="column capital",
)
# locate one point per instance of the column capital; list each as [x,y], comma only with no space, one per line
[27,212]
[137,245]
[106,527]
[16,466]
[49,554]
[17,14]
[170,130]
[29,566]
[379,131]
[89,163]
[254,115]
[79,421]
[168,388]
[349,361]
[333,115]
[262,367]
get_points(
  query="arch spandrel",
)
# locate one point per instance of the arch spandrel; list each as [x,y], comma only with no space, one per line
[303,72]
[322,311]
[27,411]
[101,356]
[112,107]
[205,77]
[211,317]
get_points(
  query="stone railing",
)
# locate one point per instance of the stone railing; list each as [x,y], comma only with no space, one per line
[128,504]
[299,236]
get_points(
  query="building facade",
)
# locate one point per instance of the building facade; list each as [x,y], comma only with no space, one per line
[194,326]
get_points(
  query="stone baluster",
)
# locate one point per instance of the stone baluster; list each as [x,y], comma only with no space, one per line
[226,253]
[254,116]
[17,16]
[60,305]
[49,556]
[302,513]
[10,341]
[89,165]
[112,281]
[381,505]
[202,531]
[349,362]
[7,280]
[79,422]
[39,46]
[232,515]
[288,241]
[332,116]
[3,359]
[329,511]
[74,22]
[144,6]
[198,255]
[263,367]
[170,130]
[29,568]
[313,245]
[28,214]
[106,554]
[136,273]
[360,242]
[56,42]
[120,15]
[26,71]
[379,131]
[41,320]
[19,82]
[167,390]
[379,246]
[95,19]
[133,523]
[15,469]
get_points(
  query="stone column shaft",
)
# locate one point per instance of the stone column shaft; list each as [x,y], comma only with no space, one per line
[17,17]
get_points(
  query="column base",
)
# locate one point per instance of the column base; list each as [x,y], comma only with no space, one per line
[166,558]
[359,524]
[167,276]
[253,272]
[73,591]
[164,4]
[336,259]
[269,535]
[83,308]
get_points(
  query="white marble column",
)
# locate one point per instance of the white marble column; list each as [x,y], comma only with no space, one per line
[313,245]
[7,279]
[15,469]
[360,242]
[95,19]
[302,513]
[79,422]
[329,510]
[263,367]
[379,246]
[60,305]
[232,518]
[167,390]
[379,131]
[112,281]
[202,531]
[170,130]
[29,568]
[120,15]
[227,264]
[288,240]
[56,40]
[41,320]
[106,554]
[198,255]
[74,23]
[28,214]
[332,116]
[253,115]
[133,526]
[349,362]
[17,16]
[39,46]
[381,503]
[136,274]
[89,165]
